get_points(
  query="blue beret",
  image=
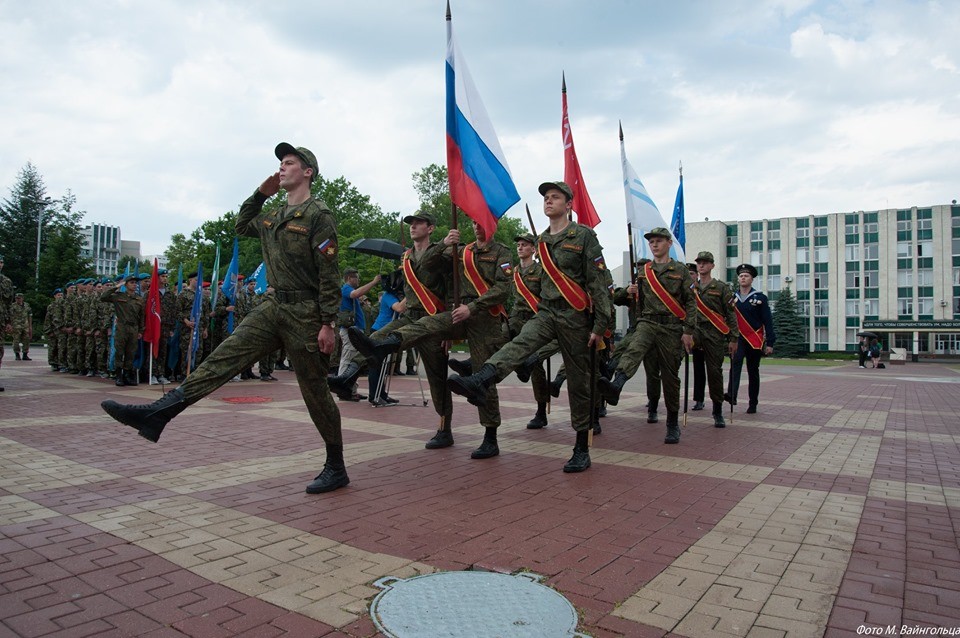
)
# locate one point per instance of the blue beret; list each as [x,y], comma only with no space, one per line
[60,290]
[69,283]
[144,275]
[161,271]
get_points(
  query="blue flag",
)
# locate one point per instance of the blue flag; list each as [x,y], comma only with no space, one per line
[196,317]
[677,222]
[230,282]
[260,276]
[180,279]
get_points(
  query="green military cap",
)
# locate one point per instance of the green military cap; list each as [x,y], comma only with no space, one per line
[704,255]
[692,267]
[658,232]
[747,268]
[526,237]
[283,149]
[19,294]
[421,216]
[560,186]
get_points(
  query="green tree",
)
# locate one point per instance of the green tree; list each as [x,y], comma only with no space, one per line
[134,263]
[788,325]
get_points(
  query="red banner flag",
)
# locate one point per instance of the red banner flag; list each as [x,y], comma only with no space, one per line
[586,213]
[151,330]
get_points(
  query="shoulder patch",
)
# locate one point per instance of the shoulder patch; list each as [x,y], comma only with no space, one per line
[328,248]
[600,264]
[507,268]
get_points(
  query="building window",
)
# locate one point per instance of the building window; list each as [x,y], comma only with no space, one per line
[871,228]
[871,251]
[924,224]
[821,231]
[924,249]
[773,284]
[904,278]
[925,277]
[852,252]
[821,254]
[905,306]
[773,258]
[925,306]
[853,280]
[904,226]
[821,307]
[904,249]
[756,235]
[803,255]
[803,233]
[773,235]
[853,307]
[756,258]
[821,336]
[732,240]
[803,308]
[955,244]
[851,229]
[871,307]
[803,282]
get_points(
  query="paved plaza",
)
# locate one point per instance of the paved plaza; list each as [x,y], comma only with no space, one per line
[833,511]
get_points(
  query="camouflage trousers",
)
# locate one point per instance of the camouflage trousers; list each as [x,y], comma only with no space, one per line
[74,348]
[709,350]
[53,353]
[125,347]
[62,359]
[21,336]
[660,342]
[268,326]
[90,352]
[484,334]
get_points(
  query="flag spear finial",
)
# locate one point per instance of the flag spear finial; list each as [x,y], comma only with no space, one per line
[563,77]
[681,169]
[448,10]
[620,124]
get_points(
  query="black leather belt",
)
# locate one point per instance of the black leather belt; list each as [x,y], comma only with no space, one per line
[295,296]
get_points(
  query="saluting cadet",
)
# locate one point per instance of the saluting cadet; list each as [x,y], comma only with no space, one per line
[300,249]
[667,321]
[128,306]
[715,337]
[573,266]
[757,337]
[486,279]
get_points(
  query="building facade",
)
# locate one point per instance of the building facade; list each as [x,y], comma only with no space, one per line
[101,245]
[894,271]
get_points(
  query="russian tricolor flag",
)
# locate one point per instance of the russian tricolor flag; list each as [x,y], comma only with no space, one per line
[480,181]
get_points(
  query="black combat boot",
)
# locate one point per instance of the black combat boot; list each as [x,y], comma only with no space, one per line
[26,358]
[411,371]
[718,421]
[17,354]
[539,419]
[443,438]
[130,378]
[474,387]
[488,448]
[120,382]
[602,410]
[610,389]
[525,369]
[557,383]
[596,422]
[581,455]
[342,385]
[729,398]
[463,367]
[652,416]
[673,428]
[697,406]
[374,351]
[752,408]
[149,419]
[334,474]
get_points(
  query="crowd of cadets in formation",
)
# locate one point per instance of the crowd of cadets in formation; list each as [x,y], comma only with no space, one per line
[78,326]
[79,323]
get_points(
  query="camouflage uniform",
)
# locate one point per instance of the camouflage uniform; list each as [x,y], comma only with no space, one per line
[21,320]
[168,324]
[63,338]
[300,251]
[482,330]
[52,322]
[6,299]
[520,314]
[105,327]
[185,302]
[710,345]
[130,322]
[91,324]
[73,324]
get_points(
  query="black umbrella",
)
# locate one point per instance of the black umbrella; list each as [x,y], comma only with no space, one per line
[868,334]
[383,248]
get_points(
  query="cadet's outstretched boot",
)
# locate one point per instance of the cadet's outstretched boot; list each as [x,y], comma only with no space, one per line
[463,367]
[557,383]
[581,455]
[334,474]
[718,421]
[673,428]
[149,419]
[489,447]
[374,351]
[342,385]
[610,389]
[474,387]
[443,438]
[539,419]
[525,369]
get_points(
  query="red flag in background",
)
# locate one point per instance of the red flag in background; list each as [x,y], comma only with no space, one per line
[586,213]
[151,330]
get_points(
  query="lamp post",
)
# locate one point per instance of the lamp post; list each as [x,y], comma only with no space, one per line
[42,205]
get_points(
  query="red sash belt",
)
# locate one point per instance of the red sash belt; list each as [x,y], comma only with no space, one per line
[476,279]
[672,304]
[712,316]
[430,302]
[532,300]
[753,336]
[573,293]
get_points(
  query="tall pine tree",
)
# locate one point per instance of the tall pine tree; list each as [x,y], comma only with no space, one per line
[788,325]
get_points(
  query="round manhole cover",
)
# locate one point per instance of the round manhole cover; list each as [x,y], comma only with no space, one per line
[471,605]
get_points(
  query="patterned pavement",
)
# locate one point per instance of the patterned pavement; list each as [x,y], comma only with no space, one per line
[833,511]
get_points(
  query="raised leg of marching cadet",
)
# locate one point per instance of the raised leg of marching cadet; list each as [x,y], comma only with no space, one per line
[651,372]
[699,376]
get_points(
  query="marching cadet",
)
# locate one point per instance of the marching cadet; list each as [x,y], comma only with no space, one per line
[300,249]
[486,278]
[527,278]
[668,320]
[21,324]
[128,306]
[573,265]
[715,337]
[52,321]
[425,295]
[757,337]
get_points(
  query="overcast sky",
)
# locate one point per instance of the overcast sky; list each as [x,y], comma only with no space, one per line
[161,115]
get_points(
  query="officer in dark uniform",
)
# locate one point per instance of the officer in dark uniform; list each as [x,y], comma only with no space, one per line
[299,242]
[756,335]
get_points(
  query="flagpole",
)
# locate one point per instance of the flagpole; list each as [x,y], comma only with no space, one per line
[454,226]
[634,298]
